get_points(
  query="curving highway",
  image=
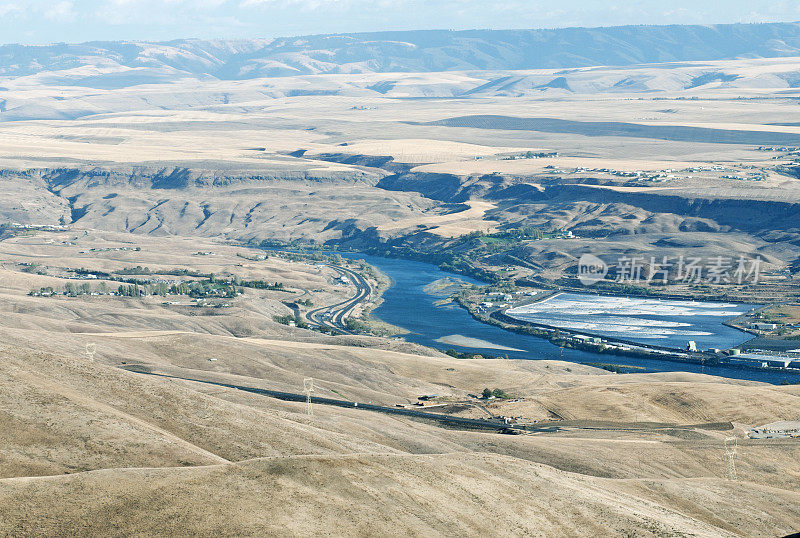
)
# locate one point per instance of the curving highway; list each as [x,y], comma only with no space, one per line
[334,316]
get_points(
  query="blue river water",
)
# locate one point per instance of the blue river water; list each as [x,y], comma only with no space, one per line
[407,305]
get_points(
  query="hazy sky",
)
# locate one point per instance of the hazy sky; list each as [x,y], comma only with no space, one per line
[44,21]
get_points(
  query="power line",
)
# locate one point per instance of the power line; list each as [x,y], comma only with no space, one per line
[730,454]
[308,387]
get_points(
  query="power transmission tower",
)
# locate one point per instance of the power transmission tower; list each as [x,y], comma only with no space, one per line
[730,455]
[308,387]
[91,349]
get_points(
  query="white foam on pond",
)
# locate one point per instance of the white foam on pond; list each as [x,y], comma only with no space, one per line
[632,306]
[631,318]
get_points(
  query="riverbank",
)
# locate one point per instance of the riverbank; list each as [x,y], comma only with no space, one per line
[354,315]
[571,339]
[406,304]
[604,345]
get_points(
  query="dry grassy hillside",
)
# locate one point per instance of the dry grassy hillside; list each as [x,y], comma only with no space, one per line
[390,495]
[161,182]
[91,448]
[114,419]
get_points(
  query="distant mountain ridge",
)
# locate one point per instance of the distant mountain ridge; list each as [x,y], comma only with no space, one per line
[400,51]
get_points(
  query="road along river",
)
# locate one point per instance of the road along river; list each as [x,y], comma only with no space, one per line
[407,304]
[335,316]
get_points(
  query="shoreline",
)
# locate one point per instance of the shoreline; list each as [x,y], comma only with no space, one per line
[616,339]
[565,338]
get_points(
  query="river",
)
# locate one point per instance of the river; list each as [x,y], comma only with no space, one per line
[406,304]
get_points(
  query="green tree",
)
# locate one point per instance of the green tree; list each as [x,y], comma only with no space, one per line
[499,393]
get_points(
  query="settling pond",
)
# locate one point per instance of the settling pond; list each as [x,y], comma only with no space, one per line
[407,304]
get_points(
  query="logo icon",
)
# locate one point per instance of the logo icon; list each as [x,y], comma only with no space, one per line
[591,269]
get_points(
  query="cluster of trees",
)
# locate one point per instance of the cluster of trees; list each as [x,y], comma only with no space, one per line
[463,355]
[138,270]
[71,289]
[525,232]
[364,327]
[367,270]
[290,319]
[607,367]
[43,292]
[98,274]
[206,289]
[33,268]
[84,288]
[210,287]
[257,284]
[211,278]
[195,289]
[462,264]
[496,393]
[457,264]
[6,230]
[133,290]
[531,155]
